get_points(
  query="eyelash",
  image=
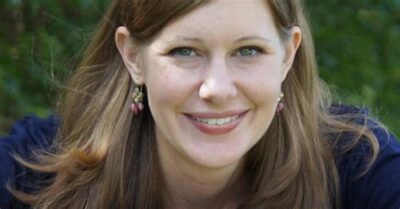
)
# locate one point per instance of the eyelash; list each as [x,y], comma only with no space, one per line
[258,50]
[175,51]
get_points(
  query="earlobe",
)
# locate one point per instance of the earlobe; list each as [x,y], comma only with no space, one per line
[129,53]
[291,46]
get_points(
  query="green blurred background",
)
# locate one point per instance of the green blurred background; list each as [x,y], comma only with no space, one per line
[357,44]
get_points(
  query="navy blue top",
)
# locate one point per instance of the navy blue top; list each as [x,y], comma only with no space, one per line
[379,188]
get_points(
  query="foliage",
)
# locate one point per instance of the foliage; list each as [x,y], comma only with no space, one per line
[357,46]
[358,51]
[40,43]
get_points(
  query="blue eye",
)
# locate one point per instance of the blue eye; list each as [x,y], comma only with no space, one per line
[248,51]
[183,52]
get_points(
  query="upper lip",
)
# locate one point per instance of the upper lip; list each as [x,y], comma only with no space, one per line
[216,114]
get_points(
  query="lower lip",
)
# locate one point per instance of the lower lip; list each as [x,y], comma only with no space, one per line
[216,129]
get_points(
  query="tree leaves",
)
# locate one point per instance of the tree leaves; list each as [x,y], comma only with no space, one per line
[358,51]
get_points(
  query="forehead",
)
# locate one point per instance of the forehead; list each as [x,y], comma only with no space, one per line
[228,19]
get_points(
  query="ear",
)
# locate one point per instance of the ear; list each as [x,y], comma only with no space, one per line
[291,45]
[129,54]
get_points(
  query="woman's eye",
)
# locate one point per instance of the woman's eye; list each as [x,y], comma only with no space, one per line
[248,51]
[183,52]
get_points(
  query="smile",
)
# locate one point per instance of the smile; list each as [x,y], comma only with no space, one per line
[216,121]
[211,123]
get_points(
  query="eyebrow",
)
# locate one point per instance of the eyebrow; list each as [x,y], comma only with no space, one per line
[254,37]
[187,39]
[198,40]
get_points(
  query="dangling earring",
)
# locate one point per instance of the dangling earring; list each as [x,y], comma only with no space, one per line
[137,103]
[280,106]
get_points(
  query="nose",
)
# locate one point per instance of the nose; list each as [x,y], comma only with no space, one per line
[218,84]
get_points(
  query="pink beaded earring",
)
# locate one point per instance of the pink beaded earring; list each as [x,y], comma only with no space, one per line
[280,106]
[137,103]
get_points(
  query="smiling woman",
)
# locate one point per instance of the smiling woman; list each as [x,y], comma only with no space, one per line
[201,104]
[212,93]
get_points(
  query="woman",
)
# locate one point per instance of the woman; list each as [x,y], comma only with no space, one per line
[202,104]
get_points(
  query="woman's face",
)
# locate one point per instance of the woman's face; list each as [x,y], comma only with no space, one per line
[213,79]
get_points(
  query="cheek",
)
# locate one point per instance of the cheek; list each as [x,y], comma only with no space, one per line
[167,86]
[262,82]
[262,88]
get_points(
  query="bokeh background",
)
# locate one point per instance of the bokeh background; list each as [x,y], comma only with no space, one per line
[357,45]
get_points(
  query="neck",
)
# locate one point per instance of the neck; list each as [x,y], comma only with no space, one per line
[194,187]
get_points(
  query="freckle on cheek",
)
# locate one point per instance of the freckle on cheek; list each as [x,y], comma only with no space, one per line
[166,78]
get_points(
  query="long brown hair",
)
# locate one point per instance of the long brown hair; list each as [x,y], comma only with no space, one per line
[106,158]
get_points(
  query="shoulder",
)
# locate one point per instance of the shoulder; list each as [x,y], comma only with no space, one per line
[379,187]
[30,133]
[27,134]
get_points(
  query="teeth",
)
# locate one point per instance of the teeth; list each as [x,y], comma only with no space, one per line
[216,121]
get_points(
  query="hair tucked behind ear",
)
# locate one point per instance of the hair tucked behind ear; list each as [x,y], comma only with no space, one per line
[105,158]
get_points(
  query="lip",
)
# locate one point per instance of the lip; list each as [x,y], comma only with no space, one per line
[216,115]
[216,129]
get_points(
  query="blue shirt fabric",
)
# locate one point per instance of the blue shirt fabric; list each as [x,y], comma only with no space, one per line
[379,188]
[31,133]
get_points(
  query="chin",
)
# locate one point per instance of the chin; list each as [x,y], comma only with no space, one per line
[218,156]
